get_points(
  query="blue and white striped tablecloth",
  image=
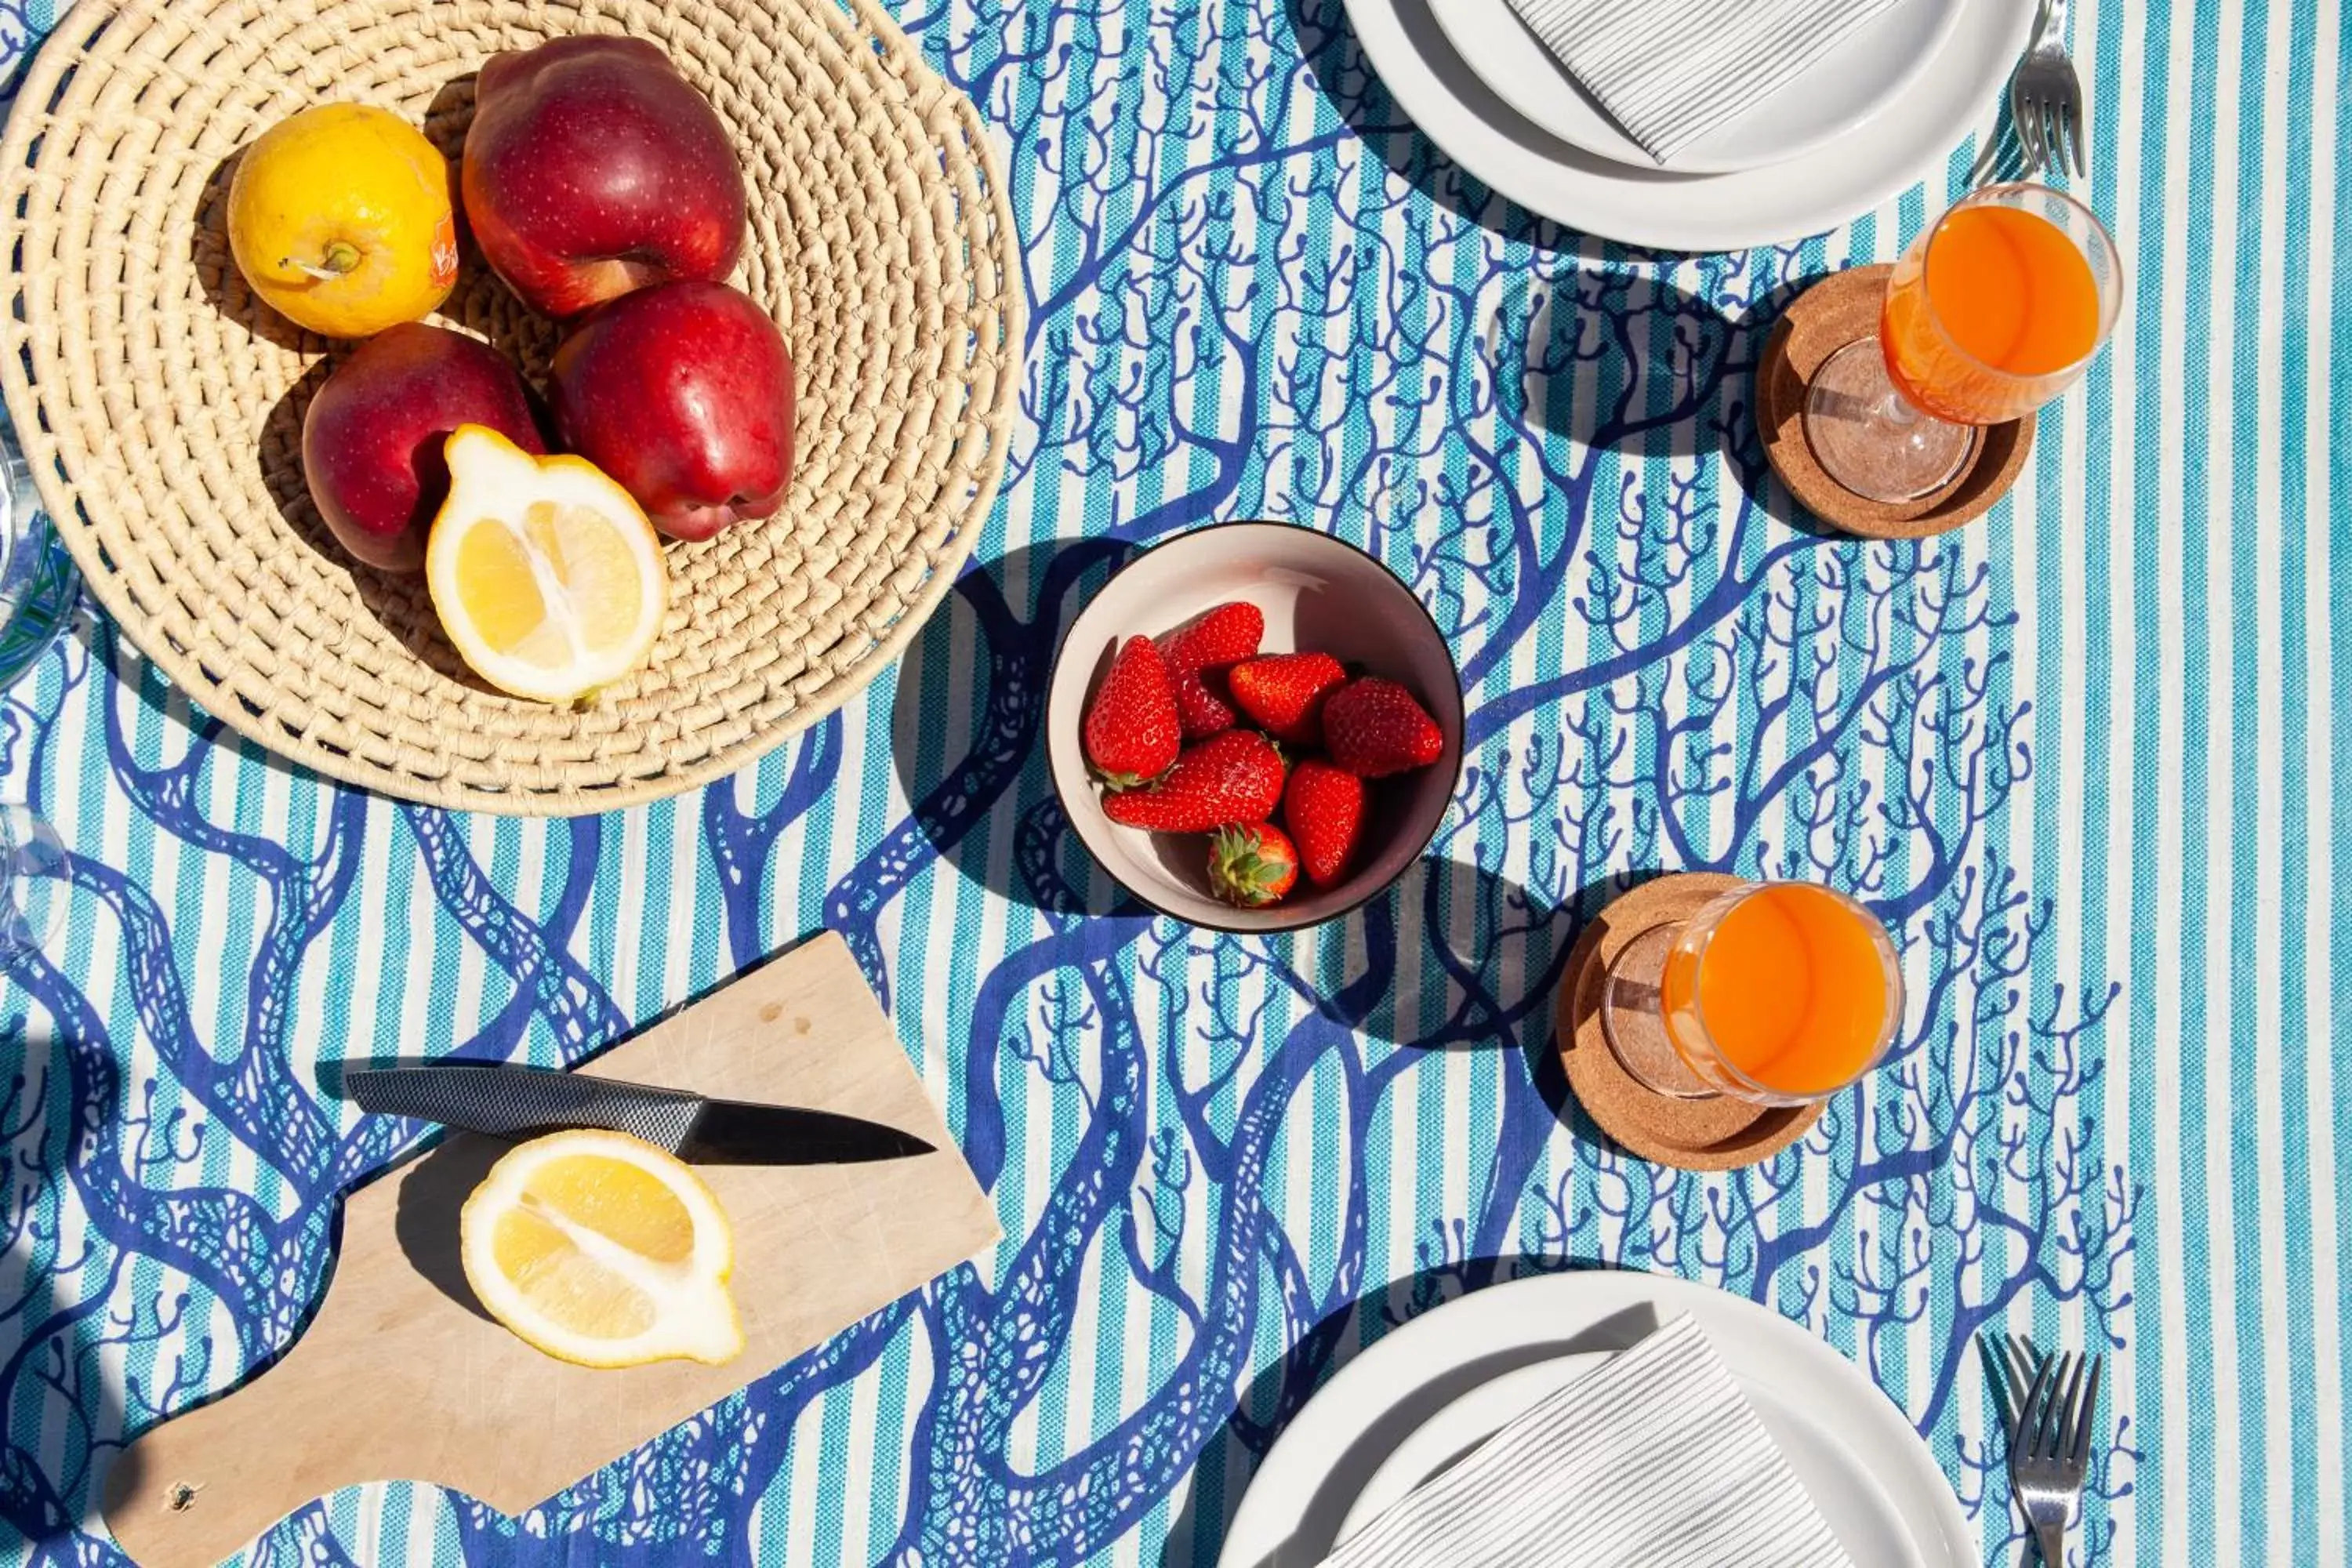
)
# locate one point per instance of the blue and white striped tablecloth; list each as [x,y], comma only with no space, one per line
[2083,753]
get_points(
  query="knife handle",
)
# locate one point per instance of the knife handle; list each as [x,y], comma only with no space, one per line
[516,1103]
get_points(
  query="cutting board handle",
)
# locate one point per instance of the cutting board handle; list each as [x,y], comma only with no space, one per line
[340,1409]
[194,1489]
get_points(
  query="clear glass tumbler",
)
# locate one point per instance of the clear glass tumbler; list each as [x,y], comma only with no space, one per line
[38,592]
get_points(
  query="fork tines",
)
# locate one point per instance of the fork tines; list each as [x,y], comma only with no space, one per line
[2053,1420]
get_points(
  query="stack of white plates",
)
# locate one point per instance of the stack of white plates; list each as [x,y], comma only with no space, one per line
[1876,114]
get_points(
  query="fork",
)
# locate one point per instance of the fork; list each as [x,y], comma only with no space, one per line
[2046,96]
[2050,1440]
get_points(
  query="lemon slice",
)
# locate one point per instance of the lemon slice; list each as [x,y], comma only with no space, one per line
[603,1250]
[544,571]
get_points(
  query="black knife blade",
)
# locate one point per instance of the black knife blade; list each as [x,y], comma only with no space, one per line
[519,1102]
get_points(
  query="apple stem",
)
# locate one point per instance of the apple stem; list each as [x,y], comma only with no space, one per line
[340,257]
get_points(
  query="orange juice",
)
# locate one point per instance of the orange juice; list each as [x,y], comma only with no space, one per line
[1790,988]
[1983,329]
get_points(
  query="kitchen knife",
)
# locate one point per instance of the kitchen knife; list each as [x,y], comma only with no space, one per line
[524,1102]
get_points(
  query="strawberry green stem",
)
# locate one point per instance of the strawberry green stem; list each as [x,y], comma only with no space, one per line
[1239,872]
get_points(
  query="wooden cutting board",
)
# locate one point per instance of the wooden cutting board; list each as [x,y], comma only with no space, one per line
[400,1377]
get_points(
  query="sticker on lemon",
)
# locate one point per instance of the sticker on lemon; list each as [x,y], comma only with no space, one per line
[601,1249]
[546,575]
[341,218]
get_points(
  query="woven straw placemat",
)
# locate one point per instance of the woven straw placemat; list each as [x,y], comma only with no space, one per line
[160,404]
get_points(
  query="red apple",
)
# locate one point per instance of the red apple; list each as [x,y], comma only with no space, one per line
[592,168]
[683,392]
[371,438]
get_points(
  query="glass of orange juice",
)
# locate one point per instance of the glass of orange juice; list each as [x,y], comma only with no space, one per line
[1999,307]
[1774,993]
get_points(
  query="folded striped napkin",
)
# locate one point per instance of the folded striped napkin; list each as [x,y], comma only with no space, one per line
[1655,1460]
[1673,71]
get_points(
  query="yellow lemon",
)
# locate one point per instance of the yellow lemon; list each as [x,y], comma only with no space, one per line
[603,1250]
[544,571]
[341,218]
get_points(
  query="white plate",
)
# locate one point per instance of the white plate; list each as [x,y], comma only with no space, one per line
[1837,93]
[1858,1510]
[1959,88]
[1479,1360]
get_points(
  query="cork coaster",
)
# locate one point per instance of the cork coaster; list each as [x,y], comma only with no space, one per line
[1717,1134]
[1835,312]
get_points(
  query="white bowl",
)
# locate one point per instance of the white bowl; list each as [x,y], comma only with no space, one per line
[1319,593]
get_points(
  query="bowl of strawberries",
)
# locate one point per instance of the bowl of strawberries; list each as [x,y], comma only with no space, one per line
[1254,727]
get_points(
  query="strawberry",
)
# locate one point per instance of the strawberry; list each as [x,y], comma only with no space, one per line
[1285,691]
[1323,806]
[1374,728]
[1225,634]
[1201,706]
[1198,655]
[1231,778]
[1131,731]
[1252,867]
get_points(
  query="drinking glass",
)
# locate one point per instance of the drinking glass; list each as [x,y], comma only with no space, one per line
[38,592]
[32,880]
[39,586]
[1999,307]
[1772,993]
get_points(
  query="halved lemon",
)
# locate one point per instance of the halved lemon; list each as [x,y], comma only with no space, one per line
[603,1250]
[544,571]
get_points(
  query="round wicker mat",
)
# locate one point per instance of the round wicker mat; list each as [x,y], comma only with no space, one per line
[160,404]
